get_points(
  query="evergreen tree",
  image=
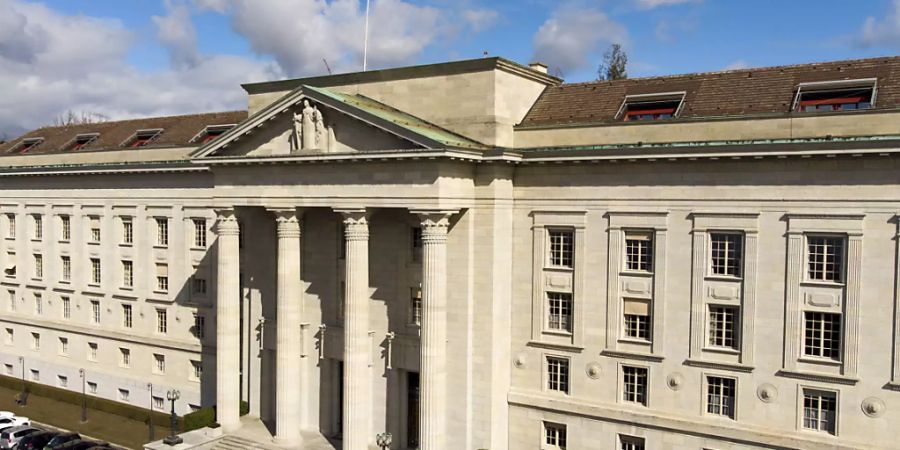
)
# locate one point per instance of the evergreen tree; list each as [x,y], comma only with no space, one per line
[613,65]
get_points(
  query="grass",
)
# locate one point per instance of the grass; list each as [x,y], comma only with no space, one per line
[100,425]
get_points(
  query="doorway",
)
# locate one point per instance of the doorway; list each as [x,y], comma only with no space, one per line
[412,410]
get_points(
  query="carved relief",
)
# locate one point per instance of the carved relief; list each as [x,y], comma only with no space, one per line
[310,131]
[767,393]
[873,407]
[593,370]
[675,381]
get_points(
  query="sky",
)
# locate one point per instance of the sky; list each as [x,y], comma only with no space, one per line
[136,58]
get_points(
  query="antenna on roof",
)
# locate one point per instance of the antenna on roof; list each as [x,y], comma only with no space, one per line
[366,41]
[327,67]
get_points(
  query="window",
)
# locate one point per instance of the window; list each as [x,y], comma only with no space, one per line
[820,411]
[12,300]
[162,231]
[9,369]
[562,245]
[142,138]
[636,314]
[161,321]
[11,224]
[10,336]
[159,363]
[415,306]
[634,382]
[200,233]
[835,96]
[127,316]
[38,226]
[95,230]
[35,341]
[416,244]
[162,277]
[199,285]
[725,254]
[123,395]
[638,251]
[66,267]
[825,258]
[558,374]
[210,133]
[10,268]
[127,231]
[35,375]
[28,145]
[95,312]
[95,270]
[554,436]
[66,307]
[125,356]
[649,107]
[38,304]
[127,274]
[66,223]
[92,387]
[559,312]
[64,346]
[92,351]
[196,370]
[720,394]
[159,402]
[81,141]
[38,266]
[199,326]
[822,335]
[723,322]
[62,381]
[630,442]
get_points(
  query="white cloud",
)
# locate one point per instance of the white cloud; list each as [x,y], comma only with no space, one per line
[651,4]
[883,31]
[570,37]
[177,33]
[737,65]
[480,19]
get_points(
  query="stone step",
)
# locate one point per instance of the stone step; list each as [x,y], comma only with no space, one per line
[238,443]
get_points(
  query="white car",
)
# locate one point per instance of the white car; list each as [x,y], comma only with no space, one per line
[6,414]
[13,421]
[10,437]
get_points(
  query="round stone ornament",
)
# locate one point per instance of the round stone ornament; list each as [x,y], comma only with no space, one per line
[767,392]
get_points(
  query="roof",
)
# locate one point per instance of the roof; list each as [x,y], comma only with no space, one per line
[177,132]
[734,93]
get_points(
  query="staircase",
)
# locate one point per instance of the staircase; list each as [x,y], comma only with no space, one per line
[238,443]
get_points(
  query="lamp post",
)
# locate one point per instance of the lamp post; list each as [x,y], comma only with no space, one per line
[152,428]
[83,396]
[173,438]
[24,387]
[384,440]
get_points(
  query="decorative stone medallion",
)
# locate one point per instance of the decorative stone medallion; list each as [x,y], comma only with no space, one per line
[767,392]
[873,407]
[675,381]
[520,360]
[593,370]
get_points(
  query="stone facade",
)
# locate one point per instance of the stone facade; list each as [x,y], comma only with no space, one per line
[531,287]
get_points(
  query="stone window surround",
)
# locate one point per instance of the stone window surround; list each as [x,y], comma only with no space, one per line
[545,373]
[704,391]
[704,224]
[798,227]
[620,384]
[619,222]
[574,220]
[801,388]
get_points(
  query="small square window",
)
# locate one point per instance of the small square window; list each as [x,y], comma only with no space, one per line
[720,396]
[725,254]
[9,369]
[639,251]
[159,402]
[558,374]
[630,442]
[62,381]
[554,436]
[35,375]
[634,382]
[162,277]
[820,411]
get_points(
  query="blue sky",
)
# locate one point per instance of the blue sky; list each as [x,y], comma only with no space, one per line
[115,57]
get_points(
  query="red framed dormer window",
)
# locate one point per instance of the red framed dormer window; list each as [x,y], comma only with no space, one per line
[28,145]
[211,133]
[651,107]
[653,111]
[82,140]
[845,95]
[142,138]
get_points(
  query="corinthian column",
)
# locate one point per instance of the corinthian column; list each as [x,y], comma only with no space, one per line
[433,347]
[288,310]
[357,406]
[228,318]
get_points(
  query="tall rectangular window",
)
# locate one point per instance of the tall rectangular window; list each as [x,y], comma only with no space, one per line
[127,316]
[200,233]
[93,348]
[196,370]
[636,314]
[634,385]
[162,277]
[723,326]
[720,395]
[38,266]
[159,364]
[199,285]
[554,436]
[639,251]
[562,248]
[10,336]
[64,346]
[95,271]
[38,226]
[66,223]
[66,307]
[127,273]
[825,258]
[558,374]
[726,251]
[127,230]
[125,357]
[199,329]
[38,304]
[35,341]
[66,263]
[820,411]
[95,312]
[11,226]
[12,300]
[415,306]
[162,231]
[559,312]
[630,442]
[95,230]
[822,335]
[162,322]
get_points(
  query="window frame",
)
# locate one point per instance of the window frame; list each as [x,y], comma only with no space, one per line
[563,379]
[623,385]
[567,318]
[659,97]
[835,85]
[162,231]
[546,427]
[801,407]
[650,236]
[842,259]
[838,353]
[736,330]
[707,394]
[570,247]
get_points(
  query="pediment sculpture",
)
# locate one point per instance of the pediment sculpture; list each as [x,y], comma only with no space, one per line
[310,131]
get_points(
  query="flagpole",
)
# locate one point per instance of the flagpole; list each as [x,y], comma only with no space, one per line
[366,43]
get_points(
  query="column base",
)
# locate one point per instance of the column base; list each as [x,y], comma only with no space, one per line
[230,427]
[288,442]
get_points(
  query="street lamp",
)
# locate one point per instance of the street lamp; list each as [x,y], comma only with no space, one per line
[24,394]
[384,440]
[152,428]
[173,438]
[83,397]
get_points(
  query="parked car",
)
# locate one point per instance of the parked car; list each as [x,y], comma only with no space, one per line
[79,444]
[61,439]
[14,421]
[36,441]
[11,437]
[7,414]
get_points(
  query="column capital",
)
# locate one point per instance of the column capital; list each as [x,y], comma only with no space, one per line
[287,221]
[226,222]
[435,224]
[356,224]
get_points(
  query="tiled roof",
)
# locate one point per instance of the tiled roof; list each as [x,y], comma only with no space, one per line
[746,92]
[177,132]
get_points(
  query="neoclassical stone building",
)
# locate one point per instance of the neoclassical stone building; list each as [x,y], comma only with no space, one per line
[475,255]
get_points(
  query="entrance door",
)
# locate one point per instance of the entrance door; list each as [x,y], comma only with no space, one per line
[412,409]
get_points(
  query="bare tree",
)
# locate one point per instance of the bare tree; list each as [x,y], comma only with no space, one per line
[72,118]
[613,66]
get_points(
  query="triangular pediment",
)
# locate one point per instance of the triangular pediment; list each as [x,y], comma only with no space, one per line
[310,121]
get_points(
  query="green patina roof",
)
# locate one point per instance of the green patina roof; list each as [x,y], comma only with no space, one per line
[401,119]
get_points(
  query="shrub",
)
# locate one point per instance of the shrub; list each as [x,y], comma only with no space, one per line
[200,418]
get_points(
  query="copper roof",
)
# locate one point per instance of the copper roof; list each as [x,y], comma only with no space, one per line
[746,92]
[177,131]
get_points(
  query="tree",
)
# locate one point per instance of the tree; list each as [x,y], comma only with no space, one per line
[613,65]
[72,118]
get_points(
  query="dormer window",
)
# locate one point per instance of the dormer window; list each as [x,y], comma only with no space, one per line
[28,145]
[210,133]
[81,141]
[647,107]
[142,138]
[844,95]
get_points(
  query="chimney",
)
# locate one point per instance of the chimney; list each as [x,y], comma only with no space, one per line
[538,66]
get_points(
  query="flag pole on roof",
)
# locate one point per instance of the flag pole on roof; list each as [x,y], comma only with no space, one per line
[366,39]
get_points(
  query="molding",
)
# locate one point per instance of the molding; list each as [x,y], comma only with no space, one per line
[718,365]
[632,356]
[819,377]
[555,346]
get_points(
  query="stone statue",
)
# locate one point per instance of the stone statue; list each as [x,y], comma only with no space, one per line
[332,142]
[320,129]
[308,127]
[298,132]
